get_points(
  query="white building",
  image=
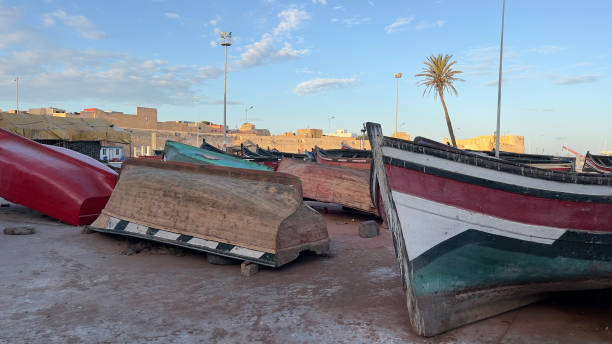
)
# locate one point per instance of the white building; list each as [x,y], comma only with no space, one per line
[340,133]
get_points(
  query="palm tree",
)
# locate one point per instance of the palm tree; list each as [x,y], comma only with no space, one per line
[439,76]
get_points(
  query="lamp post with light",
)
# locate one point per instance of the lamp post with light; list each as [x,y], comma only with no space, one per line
[246,113]
[397,77]
[226,41]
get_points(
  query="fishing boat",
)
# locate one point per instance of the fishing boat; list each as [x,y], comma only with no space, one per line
[280,155]
[176,151]
[597,163]
[353,158]
[58,182]
[270,161]
[547,162]
[246,214]
[476,236]
[348,187]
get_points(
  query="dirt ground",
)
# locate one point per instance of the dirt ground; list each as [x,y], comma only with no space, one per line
[61,286]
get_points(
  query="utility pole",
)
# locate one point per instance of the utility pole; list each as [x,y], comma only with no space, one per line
[17,81]
[329,119]
[499,82]
[397,77]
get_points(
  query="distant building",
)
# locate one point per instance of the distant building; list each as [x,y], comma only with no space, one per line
[50,111]
[606,152]
[310,133]
[340,133]
[249,128]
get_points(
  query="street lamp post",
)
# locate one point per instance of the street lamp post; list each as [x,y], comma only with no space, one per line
[246,113]
[17,81]
[329,119]
[397,77]
[226,41]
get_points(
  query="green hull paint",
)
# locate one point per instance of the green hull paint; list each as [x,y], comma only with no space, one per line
[176,151]
[476,266]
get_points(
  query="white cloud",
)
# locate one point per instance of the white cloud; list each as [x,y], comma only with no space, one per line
[55,74]
[548,49]
[357,20]
[171,15]
[322,2]
[577,79]
[77,22]
[12,38]
[424,24]
[400,24]
[213,43]
[333,20]
[290,20]
[215,21]
[322,85]
[264,52]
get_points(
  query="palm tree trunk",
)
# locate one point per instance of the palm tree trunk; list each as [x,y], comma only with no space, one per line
[448,121]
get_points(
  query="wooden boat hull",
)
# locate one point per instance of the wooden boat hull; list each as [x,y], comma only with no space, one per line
[361,161]
[597,163]
[252,215]
[55,181]
[476,236]
[345,186]
[176,151]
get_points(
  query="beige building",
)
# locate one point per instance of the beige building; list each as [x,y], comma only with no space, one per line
[310,133]
[507,143]
[340,133]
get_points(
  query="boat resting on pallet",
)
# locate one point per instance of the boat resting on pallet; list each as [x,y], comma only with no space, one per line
[597,163]
[55,181]
[175,151]
[353,158]
[348,187]
[246,214]
[477,236]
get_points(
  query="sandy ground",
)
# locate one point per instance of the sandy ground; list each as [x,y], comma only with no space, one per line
[60,286]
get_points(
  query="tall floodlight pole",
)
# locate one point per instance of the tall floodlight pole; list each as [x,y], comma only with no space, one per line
[397,77]
[246,113]
[17,81]
[499,82]
[226,41]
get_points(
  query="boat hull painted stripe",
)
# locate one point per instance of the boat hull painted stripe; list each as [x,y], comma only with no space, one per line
[497,179]
[118,226]
[517,207]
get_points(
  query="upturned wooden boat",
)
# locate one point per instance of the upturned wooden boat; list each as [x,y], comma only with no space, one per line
[175,151]
[246,214]
[477,236]
[353,158]
[597,163]
[348,187]
[55,181]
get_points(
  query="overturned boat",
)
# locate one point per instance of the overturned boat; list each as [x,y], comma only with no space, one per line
[345,186]
[269,161]
[353,158]
[476,236]
[246,214]
[55,181]
[176,151]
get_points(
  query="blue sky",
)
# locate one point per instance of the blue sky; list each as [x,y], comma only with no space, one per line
[299,63]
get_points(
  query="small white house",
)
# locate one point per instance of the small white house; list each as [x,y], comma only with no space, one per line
[111,153]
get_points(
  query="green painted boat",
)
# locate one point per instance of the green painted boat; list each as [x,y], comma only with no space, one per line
[176,151]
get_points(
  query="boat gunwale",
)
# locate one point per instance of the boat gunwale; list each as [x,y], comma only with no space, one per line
[480,161]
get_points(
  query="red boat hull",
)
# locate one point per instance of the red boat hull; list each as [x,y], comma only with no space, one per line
[55,181]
